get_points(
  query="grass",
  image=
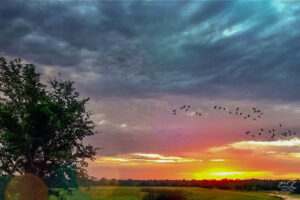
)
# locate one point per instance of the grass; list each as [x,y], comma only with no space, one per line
[136,193]
[296,195]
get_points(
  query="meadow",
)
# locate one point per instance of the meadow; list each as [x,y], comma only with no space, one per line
[138,193]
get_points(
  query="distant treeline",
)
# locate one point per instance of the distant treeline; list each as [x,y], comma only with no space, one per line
[225,184]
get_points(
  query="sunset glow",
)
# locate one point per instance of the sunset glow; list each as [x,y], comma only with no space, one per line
[177,89]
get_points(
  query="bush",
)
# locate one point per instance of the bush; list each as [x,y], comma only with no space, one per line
[3,182]
[163,194]
[297,185]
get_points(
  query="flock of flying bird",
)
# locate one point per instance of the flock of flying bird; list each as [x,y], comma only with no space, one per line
[255,115]
[256,112]
[187,108]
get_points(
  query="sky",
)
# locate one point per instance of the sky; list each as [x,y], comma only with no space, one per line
[139,60]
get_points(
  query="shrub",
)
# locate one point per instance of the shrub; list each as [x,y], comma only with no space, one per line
[3,182]
[163,194]
[297,185]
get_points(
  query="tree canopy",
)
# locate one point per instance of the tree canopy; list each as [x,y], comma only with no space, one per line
[42,126]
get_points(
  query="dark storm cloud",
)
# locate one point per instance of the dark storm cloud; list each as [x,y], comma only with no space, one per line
[230,49]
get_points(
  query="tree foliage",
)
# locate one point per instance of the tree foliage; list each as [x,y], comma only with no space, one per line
[224,184]
[42,126]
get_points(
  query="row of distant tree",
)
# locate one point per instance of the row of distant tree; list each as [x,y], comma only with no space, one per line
[225,184]
[82,179]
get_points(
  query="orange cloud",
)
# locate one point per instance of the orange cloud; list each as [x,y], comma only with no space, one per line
[217,160]
[143,158]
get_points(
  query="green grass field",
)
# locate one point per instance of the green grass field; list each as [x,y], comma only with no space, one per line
[135,193]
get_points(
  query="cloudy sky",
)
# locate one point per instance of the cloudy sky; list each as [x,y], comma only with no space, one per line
[139,60]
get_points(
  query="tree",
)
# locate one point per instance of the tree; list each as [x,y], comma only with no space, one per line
[42,126]
[297,187]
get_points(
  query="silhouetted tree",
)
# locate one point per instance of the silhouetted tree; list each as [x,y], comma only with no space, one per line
[42,126]
[297,186]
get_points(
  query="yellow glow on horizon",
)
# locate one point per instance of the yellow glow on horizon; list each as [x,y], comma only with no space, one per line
[295,155]
[216,166]
[229,173]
